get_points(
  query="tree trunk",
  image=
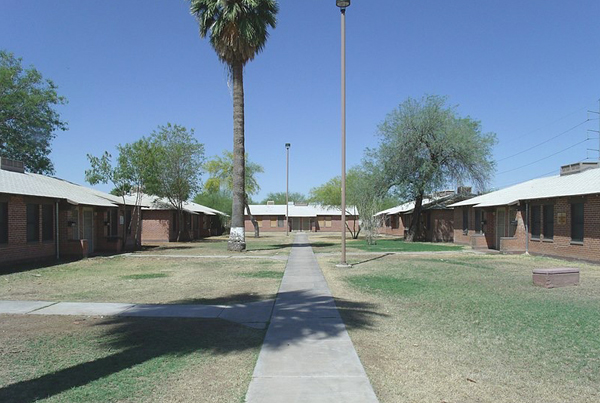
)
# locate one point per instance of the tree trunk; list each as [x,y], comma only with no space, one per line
[138,220]
[124,241]
[413,229]
[254,222]
[237,235]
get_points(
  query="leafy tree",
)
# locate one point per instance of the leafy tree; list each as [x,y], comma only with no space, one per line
[28,119]
[425,145]
[238,32]
[103,171]
[279,197]
[129,174]
[221,177]
[134,164]
[174,168]
[362,193]
[218,200]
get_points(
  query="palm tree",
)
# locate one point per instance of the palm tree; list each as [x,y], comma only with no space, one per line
[238,32]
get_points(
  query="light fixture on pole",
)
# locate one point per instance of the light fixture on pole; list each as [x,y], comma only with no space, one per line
[287,187]
[342,5]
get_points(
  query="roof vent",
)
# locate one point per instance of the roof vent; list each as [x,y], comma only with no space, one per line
[300,204]
[464,190]
[577,168]
[270,203]
[11,165]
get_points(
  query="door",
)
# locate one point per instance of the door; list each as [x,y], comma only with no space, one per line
[306,224]
[88,228]
[500,226]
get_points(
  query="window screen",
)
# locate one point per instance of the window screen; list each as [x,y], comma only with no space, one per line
[548,221]
[4,222]
[577,222]
[47,222]
[33,222]
[535,221]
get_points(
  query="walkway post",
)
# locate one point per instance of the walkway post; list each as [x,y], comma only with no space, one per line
[287,188]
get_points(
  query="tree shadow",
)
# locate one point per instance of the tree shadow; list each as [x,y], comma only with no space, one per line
[371,259]
[297,314]
[12,268]
[239,298]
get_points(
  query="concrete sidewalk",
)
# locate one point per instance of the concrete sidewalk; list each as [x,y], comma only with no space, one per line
[252,314]
[307,355]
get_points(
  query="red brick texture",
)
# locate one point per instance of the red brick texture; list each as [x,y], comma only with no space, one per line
[318,224]
[560,245]
[71,240]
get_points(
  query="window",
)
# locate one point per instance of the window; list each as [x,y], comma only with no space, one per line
[513,221]
[535,221]
[328,222]
[395,221]
[273,223]
[47,222]
[280,222]
[4,222]
[465,220]
[73,222]
[33,222]
[113,222]
[548,221]
[577,222]
[477,221]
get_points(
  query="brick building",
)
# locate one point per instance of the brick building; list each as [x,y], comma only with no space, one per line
[436,218]
[43,217]
[306,217]
[555,216]
[160,222]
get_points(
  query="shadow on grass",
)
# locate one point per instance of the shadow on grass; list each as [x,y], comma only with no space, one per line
[240,298]
[9,268]
[139,340]
[371,259]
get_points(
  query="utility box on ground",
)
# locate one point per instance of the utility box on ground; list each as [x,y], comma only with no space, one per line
[559,277]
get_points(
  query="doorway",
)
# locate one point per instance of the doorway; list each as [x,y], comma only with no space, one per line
[88,228]
[500,226]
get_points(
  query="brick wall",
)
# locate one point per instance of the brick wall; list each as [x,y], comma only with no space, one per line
[156,226]
[314,223]
[441,226]
[390,222]
[18,249]
[561,244]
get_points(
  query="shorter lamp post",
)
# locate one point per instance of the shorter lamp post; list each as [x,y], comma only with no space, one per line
[287,188]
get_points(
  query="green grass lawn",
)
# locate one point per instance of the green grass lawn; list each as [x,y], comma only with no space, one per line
[328,243]
[77,359]
[474,328]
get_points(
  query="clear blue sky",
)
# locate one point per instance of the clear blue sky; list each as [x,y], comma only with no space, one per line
[528,70]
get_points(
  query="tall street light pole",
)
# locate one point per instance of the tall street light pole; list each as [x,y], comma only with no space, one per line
[342,5]
[287,188]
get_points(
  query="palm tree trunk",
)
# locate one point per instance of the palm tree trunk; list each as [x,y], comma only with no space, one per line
[237,235]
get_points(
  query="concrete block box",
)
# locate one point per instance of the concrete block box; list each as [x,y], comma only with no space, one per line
[557,277]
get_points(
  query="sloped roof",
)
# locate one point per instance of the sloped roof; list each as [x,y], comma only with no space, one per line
[586,182]
[403,208]
[30,184]
[151,202]
[311,210]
